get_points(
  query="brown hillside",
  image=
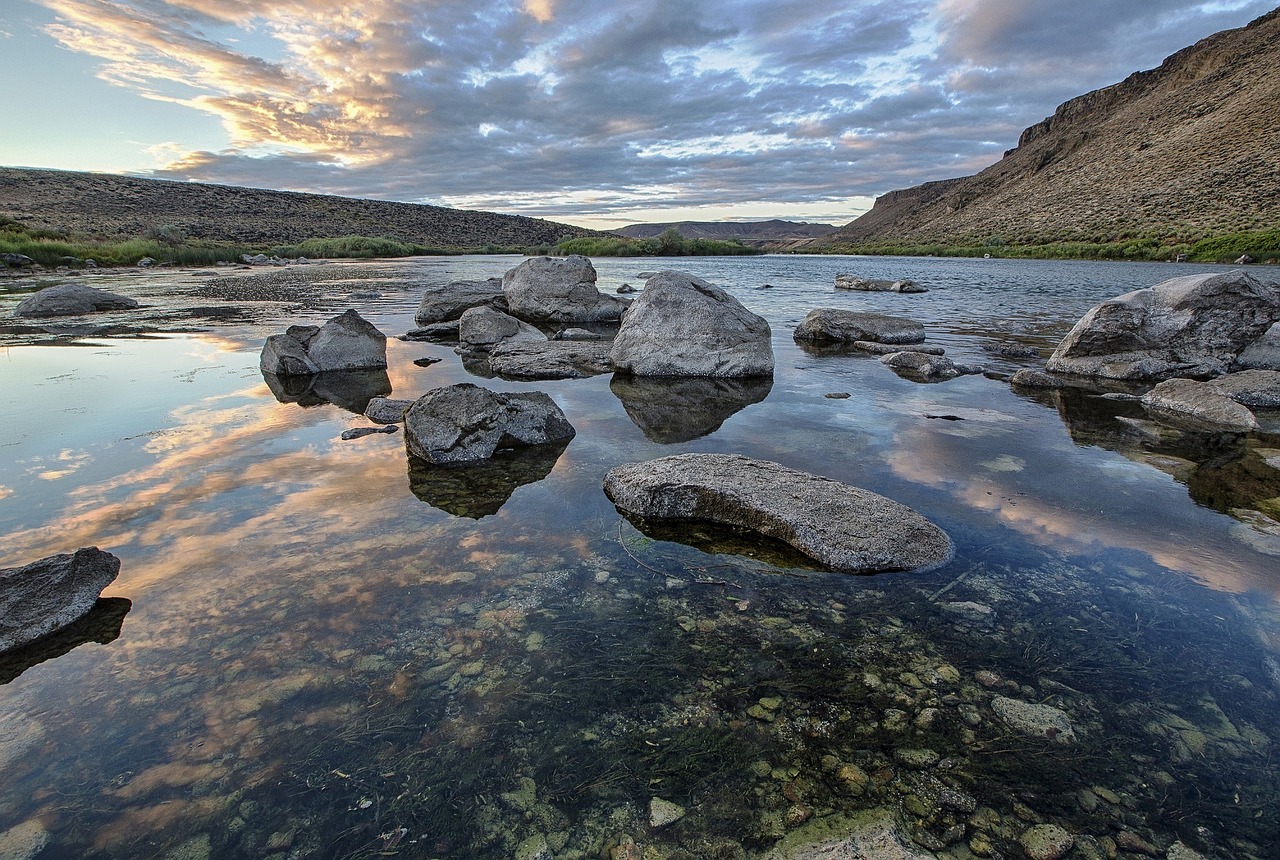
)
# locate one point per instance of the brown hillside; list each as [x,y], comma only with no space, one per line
[119,207]
[1185,151]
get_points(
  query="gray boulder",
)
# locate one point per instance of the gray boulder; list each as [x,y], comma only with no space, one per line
[831,325]
[51,593]
[1031,378]
[1198,325]
[1253,388]
[552,289]
[466,423]
[346,342]
[385,410]
[1196,405]
[927,367]
[17,261]
[66,300]
[842,527]
[484,328]
[550,359]
[441,304]
[683,326]
[878,285]
[1263,353]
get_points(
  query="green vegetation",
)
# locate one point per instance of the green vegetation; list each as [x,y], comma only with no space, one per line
[1262,245]
[669,244]
[363,247]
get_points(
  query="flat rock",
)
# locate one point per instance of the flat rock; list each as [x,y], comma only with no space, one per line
[550,359]
[65,300]
[926,367]
[485,328]
[433,332]
[1042,721]
[1253,388]
[465,423]
[887,348]
[873,834]
[683,326]
[1194,326]
[1031,378]
[23,841]
[385,410]
[552,289]
[51,593]
[834,325]
[842,527]
[442,304]
[878,285]
[361,432]
[663,812]
[1196,405]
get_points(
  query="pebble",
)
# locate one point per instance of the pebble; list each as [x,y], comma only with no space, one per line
[663,812]
[1046,842]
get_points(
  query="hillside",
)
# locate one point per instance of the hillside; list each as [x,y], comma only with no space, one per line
[1179,153]
[120,207]
[761,231]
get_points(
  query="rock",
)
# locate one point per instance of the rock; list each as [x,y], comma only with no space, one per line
[1046,842]
[23,841]
[1032,378]
[51,593]
[442,304]
[1197,406]
[1129,841]
[433,332]
[578,334]
[929,368]
[887,348]
[71,300]
[1263,353]
[1178,851]
[426,361]
[101,625]
[1194,326]
[627,289]
[1042,721]
[485,328]
[346,342]
[680,409]
[840,526]
[833,325]
[916,759]
[853,282]
[1244,260]
[683,326]
[465,423]
[146,263]
[1015,351]
[872,834]
[1253,388]
[550,359]
[551,289]
[384,410]
[17,261]
[361,432]
[663,812]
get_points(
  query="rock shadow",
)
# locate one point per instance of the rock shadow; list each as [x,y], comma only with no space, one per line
[348,389]
[669,410]
[102,625]
[719,539]
[480,489]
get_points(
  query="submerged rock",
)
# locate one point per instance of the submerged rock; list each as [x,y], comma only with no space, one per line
[1194,326]
[873,834]
[346,342]
[663,812]
[66,300]
[835,325]
[23,841]
[1043,721]
[887,348]
[1046,842]
[683,326]
[550,289]
[442,304]
[878,285]
[465,423]
[843,527]
[1197,406]
[926,367]
[51,593]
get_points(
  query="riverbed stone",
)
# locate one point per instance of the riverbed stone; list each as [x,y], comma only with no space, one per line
[1044,721]
[1193,326]
[683,326]
[555,289]
[1252,388]
[484,328]
[64,300]
[466,423]
[1197,406]
[878,285]
[23,841]
[843,527]
[834,325]
[448,302]
[1046,842]
[663,812]
[47,595]
[872,834]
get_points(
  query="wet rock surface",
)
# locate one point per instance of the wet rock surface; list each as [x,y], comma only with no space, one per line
[71,300]
[843,527]
[47,595]
[346,342]
[834,325]
[464,423]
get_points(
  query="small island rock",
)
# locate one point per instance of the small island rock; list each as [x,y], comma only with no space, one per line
[878,285]
[71,300]
[51,593]
[828,325]
[465,423]
[442,304]
[346,342]
[552,289]
[930,368]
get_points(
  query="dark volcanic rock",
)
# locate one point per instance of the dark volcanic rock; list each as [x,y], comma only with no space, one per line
[464,423]
[843,527]
[66,300]
[51,593]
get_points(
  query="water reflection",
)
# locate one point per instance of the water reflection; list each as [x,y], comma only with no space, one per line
[672,410]
[349,389]
[101,625]
[478,490]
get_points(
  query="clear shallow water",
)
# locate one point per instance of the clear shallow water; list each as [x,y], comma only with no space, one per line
[318,662]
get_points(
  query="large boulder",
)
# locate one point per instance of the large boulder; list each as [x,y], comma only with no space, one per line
[66,300]
[441,304]
[832,325]
[842,527]
[346,342]
[1198,406]
[553,289]
[465,423]
[484,328]
[51,593]
[1194,326]
[683,326]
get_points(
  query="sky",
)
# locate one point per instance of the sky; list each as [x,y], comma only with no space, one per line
[592,112]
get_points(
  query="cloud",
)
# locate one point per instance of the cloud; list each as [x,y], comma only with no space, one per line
[573,108]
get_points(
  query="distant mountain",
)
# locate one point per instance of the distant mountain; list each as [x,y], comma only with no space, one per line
[1185,151]
[753,231]
[118,207]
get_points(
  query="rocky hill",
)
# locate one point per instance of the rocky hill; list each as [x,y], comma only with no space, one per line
[754,231]
[104,206]
[1178,153]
